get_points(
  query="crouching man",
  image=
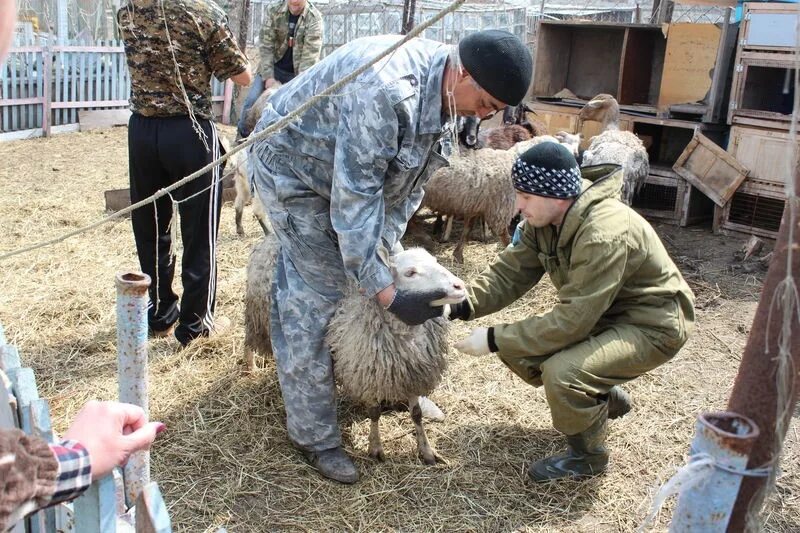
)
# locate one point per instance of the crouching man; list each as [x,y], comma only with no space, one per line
[623,307]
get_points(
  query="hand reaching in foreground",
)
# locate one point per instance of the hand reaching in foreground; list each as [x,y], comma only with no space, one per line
[477,343]
[111,432]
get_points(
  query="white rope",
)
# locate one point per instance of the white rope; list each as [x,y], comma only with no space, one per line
[251,140]
[697,470]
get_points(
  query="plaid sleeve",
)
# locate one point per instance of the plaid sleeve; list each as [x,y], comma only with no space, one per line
[74,470]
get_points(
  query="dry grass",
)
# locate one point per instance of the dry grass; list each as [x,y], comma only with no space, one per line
[225,459]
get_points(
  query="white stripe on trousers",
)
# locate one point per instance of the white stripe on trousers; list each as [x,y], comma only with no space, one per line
[208,319]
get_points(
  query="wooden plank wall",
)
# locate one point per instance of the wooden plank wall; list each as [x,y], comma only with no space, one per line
[79,77]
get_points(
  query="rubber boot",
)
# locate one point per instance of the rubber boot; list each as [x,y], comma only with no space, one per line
[333,464]
[619,402]
[586,455]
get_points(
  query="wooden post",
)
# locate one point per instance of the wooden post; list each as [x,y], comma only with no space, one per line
[151,511]
[24,384]
[755,391]
[96,509]
[227,102]
[47,61]
[409,7]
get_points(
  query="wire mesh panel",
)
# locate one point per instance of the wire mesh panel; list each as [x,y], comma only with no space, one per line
[755,211]
[347,20]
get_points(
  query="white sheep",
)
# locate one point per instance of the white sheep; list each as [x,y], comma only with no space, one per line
[378,359]
[615,146]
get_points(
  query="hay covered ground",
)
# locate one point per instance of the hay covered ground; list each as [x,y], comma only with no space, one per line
[225,459]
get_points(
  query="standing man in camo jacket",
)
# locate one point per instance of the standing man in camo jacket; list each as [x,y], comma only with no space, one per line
[173,48]
[340,184]
[290,42]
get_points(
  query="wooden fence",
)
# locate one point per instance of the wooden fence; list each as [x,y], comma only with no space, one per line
[45,86]
[101,509]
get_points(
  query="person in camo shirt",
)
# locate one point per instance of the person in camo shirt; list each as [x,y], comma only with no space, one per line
[171,135]
[340,184]
[290,42]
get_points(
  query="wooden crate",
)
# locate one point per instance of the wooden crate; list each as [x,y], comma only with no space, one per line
[757,205]
[767,154]
[565,118]
[762,92]
[769,26]
[646,68]
[662,196]
[755,209]
[667,197]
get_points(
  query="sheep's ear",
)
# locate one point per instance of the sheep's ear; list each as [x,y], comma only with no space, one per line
[595,104]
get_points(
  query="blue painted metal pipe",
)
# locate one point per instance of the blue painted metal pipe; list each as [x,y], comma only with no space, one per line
[705,506]
[132,302]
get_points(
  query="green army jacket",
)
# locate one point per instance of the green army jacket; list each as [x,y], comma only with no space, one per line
[608,265]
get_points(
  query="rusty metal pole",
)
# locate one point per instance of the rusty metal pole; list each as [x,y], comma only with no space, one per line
[132,302]
[726,438]
[755,393]
[409,8]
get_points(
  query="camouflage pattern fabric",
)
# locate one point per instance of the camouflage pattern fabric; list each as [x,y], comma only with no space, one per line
[340,184]
[273,38]
[367,151]
[203,45]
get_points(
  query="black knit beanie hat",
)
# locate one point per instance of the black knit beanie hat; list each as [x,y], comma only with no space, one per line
[547,169]
[499,62]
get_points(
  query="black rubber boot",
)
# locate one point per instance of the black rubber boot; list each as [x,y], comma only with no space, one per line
[586,455]
[619,402]
[333,464]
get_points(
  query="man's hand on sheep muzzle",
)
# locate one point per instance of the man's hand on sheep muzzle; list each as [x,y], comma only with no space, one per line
[414,308]
[476,344]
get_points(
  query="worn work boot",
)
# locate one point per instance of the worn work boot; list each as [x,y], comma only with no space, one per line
[586,455]
[333,464]
[619,402]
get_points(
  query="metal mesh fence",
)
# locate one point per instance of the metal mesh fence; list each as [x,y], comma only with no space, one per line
[86,22]
[348,20]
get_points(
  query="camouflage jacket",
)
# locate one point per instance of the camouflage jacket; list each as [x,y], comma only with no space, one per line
[202,43]
[273,38]
[370,149]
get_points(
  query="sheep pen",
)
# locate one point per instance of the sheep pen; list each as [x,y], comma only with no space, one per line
[225,460]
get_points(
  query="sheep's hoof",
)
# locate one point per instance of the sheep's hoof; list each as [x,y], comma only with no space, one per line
[458,255]
[240,231]
[377,454]
[432,458]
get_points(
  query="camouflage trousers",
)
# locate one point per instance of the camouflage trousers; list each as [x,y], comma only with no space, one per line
[308,282]
[575,378]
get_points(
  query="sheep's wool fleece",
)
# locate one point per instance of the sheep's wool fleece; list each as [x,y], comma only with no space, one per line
[620,148]
[477,183]
[379,358]
[258,296]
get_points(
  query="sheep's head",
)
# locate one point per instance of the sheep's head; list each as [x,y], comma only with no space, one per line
[599,107]
[468,131]
[416,270]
